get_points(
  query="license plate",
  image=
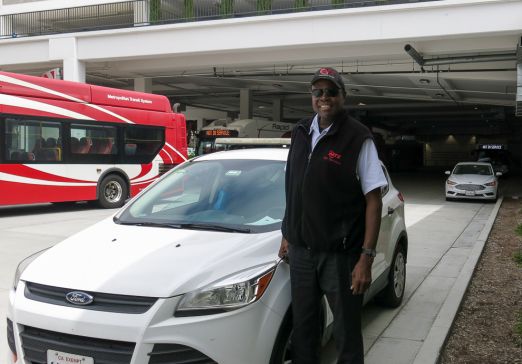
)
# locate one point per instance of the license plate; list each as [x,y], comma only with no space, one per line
[470,193]
[59,357]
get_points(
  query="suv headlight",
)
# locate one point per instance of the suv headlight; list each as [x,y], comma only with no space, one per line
[24,264]
[230,293]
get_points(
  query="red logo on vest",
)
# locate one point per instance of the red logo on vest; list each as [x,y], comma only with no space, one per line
[333,157]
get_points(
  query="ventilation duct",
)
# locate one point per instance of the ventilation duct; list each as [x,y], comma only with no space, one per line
[518,111]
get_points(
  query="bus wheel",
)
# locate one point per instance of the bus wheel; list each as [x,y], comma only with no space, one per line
[113,192]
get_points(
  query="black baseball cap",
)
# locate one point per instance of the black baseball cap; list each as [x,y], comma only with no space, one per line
[330,74]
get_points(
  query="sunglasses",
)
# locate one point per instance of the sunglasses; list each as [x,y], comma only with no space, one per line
[327,92]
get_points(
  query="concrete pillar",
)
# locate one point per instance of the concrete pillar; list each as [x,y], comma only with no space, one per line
[143,84]
[141,13]
[73,70]
[65,49]
[245,103]
[277,109]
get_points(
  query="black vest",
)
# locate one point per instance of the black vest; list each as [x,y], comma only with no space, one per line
[325,204]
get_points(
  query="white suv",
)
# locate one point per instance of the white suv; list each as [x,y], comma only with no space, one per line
[186,272]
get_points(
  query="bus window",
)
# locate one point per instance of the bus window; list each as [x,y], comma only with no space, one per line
[32,140]
[143,142]
[90,139]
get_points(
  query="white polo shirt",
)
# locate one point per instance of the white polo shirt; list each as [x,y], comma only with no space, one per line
[369,167]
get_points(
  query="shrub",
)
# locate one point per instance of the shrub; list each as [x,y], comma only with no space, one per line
[518,230]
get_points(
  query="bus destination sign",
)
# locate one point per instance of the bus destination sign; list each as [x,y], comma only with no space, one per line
[213,133]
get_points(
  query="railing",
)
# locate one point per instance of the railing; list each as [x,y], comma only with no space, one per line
[154,12]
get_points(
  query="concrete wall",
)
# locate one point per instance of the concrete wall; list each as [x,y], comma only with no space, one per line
[447,151]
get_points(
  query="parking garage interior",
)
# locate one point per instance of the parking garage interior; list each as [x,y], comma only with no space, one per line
[432,96]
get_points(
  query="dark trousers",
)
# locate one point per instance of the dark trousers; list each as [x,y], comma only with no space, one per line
[314,274]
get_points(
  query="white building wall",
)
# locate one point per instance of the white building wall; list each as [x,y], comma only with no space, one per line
[436,27]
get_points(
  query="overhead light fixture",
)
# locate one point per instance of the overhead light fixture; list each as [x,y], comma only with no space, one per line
[361,104]
[355,90]
[439,95]
[424,81]
[277,85]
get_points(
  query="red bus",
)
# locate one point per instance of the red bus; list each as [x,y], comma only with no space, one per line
[66,141]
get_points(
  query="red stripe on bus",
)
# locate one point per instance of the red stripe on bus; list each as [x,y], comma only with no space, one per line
[22,170]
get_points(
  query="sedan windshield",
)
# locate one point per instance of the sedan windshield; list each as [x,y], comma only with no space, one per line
[245,196]
[473,169]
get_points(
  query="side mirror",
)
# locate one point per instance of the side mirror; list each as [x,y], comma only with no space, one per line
[498,174]
[447,173]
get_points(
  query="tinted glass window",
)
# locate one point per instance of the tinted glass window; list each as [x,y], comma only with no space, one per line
[229,193]
[143,142]
[32,141]
[91,140]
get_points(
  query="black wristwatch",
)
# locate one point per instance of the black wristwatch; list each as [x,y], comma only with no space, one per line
[370,252]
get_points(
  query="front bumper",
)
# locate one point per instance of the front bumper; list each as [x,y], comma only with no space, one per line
[487,193]
[241,336]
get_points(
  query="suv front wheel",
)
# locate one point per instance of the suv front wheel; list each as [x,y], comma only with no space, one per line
[392,294]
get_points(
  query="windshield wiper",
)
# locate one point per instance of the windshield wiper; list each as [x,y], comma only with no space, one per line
[214,228]
[185,226]
[148,223]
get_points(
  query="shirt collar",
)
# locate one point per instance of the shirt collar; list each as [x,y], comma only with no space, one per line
[314,127]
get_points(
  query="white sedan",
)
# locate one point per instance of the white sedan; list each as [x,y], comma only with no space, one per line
[472,180]
[186,272]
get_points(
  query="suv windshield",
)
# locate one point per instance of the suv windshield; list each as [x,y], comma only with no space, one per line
[220,195]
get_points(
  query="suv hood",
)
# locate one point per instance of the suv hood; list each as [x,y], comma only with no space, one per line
[149,261]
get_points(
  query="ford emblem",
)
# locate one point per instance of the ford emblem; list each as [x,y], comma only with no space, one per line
[79,298]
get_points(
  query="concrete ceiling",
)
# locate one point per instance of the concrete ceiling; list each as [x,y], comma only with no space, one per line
[461,98]
[465,84]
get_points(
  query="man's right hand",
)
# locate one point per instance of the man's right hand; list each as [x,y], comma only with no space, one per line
[283,250]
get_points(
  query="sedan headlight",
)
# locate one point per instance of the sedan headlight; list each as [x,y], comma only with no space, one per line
[450,182]
[23,265]
[229,293]
[491,184]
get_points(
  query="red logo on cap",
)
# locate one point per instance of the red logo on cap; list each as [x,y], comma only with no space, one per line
[327,71]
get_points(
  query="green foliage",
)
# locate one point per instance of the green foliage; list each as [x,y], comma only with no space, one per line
[518,329]
[517,257]
[518,230]
[155,10]
[264,5]
[226,7]
[188,9]
[338,3]
[301,4]
[191,154]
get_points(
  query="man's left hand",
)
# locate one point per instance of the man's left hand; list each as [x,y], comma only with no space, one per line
[362,275]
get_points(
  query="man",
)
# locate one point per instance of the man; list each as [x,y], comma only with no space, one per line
[332,220]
